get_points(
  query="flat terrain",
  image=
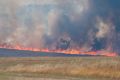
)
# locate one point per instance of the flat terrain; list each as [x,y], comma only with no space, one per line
[60,68]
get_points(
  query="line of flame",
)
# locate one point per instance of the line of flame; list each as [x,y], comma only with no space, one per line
[69,51]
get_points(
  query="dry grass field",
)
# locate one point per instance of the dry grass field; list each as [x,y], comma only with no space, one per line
[60,68]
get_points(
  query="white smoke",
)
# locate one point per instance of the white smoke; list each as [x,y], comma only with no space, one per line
[25,22]
[104,28]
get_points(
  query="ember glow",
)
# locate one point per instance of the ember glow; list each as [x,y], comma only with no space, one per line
[69,51]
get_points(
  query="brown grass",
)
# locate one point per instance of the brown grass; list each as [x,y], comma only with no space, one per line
[88,67]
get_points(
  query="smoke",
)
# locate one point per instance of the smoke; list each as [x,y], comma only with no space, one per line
[90,25]
[107,35]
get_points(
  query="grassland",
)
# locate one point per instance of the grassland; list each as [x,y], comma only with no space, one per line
[60,68]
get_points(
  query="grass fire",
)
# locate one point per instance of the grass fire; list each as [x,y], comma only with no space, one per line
[59,39]
[63,46]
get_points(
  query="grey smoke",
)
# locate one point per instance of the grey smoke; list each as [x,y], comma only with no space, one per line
[91,25]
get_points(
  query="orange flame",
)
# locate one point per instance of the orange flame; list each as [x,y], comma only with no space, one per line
[69,51]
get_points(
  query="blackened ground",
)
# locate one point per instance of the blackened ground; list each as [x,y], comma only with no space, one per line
[24,53]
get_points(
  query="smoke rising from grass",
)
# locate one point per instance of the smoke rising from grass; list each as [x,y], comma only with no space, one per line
[90,25]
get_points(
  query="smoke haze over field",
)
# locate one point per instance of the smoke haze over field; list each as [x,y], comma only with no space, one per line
[89,24]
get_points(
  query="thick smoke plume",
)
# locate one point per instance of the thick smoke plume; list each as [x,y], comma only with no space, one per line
[86,24]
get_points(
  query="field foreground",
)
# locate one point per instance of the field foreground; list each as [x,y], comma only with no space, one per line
[60,68]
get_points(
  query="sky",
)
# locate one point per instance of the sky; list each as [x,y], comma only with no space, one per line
[89,24]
